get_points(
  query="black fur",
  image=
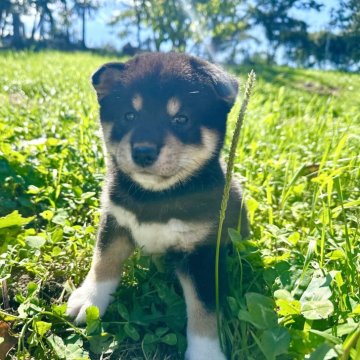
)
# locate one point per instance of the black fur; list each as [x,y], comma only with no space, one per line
[199,265]
[197,199]
[109,230]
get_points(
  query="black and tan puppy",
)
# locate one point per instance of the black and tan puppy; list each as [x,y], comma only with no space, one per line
[164,120]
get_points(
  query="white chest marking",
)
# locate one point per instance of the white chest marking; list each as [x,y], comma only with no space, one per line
[156,237]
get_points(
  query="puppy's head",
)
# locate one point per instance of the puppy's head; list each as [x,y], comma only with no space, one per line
[163,115]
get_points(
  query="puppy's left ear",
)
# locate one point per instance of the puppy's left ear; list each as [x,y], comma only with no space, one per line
[225,85]
[107,77]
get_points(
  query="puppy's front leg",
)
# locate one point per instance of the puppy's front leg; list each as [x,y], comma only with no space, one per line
[113,247]
[197,280]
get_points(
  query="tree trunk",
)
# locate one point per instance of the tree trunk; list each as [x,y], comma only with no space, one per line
[1,17]
[35,26]
[138,24]
[83,29]
[66,22]
[41,26]
[17,39]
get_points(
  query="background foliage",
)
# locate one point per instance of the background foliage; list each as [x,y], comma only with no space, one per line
[233,30]
[294,286]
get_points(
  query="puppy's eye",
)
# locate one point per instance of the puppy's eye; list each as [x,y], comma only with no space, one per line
[130,116]
[179,120]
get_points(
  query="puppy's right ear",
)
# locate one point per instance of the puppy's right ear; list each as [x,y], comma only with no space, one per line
[106,77]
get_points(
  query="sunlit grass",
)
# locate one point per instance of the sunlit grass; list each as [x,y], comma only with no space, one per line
[298,161]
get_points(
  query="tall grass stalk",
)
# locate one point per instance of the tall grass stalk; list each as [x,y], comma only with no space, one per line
[230,165]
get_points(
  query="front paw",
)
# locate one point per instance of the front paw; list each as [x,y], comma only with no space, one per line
[91,292]
[203,348]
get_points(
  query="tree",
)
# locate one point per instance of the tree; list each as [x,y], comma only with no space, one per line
[225,24]
[5,10]
[83,8]
[16,9]
[45,15]
[181,25]
[347,18]
[339,45]
[279,26]
[163,21]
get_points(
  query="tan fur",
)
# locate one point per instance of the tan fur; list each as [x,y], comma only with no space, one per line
[200,321]
[173,106]
[106,264]
[176,162]
[137,102]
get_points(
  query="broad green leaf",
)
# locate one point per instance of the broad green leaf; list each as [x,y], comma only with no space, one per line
[57,344]
[260,311]
[356,310]
[131,331]
[323,352]
[14,219]
[161,331]
[169,339]
[41,327]
[59,309]
[93,323]
[32,189]
[75,352]
[7,317]
[345,329]
[337,254]
[35,242]
[294,238]
[88,195]
[246,316]
[316,310]
[31,288]
[234,235]
[288,307]
[283,294]
[150,339]
[92,313]
[318,289]
[47,215]
[56,251]
[123,311]
[331,338]
[60,217]
[275,342]
[100,343]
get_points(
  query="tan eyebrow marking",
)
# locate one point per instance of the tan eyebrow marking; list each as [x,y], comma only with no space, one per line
[137,102]
[173,106]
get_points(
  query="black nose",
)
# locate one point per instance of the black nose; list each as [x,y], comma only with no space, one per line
[144,155]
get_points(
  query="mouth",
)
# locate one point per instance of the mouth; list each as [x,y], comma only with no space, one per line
[149,173]
[153,181]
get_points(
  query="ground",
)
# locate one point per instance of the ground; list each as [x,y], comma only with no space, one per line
[294,285]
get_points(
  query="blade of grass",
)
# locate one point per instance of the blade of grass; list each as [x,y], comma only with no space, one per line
[235,140]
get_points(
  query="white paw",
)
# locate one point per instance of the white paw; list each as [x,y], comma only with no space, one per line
[91,292]
[203,348]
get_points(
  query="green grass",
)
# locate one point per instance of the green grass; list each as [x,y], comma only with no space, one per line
[294,286]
